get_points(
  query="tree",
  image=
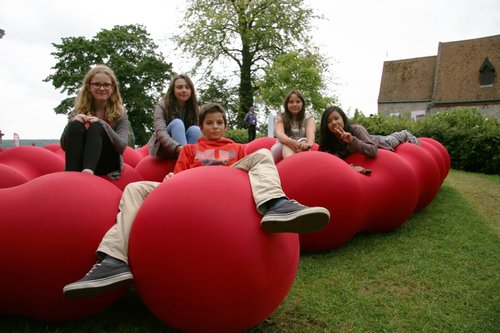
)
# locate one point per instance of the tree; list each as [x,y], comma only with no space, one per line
[141,71]
[295,71]
[218,90]
[249,33]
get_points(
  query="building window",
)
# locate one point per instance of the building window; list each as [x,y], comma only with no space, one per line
[486,73]
[417,114]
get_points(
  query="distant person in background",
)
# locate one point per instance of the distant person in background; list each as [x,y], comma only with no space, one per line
[295,129]
[175,119]
[96,135]
[251,122]
[340,138]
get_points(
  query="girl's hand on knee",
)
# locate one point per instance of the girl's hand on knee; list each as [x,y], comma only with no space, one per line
[81,118]
[92,119]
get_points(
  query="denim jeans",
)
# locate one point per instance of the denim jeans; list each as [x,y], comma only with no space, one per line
[178,132]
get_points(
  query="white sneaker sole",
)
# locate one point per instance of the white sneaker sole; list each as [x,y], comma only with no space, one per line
[307,220]
[98,286]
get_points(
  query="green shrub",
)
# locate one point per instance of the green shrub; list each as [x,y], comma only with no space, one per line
[237,135]
[472,141]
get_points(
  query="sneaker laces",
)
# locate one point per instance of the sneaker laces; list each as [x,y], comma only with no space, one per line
[96,266]
[296,202]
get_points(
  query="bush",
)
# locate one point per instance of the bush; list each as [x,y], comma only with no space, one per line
[473,141]
[237,135]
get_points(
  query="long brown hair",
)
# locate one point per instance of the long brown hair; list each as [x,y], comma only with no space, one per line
[192,108]
[286,116]
[84,102]
[327,140]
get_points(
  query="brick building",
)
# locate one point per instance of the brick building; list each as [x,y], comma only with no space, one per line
[463,74]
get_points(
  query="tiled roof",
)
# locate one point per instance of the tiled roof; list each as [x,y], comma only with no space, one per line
[408,80]
[450,77]
[457,73]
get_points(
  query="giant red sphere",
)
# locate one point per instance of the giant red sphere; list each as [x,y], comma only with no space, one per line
[200,260]
[50,228]
[389,194]
[426,171]
[154,169]
[259,143]
[32,161]
[320,179]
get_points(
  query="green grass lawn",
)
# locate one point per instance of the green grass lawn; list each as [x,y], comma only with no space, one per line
[439,272]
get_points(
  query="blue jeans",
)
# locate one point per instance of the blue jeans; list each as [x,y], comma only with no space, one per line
[178,132]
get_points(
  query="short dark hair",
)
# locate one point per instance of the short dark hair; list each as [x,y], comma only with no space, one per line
[212,108]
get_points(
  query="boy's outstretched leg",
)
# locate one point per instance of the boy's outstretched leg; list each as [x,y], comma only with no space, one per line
[285,215]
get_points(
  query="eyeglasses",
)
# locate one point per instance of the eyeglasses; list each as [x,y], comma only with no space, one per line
[106,85]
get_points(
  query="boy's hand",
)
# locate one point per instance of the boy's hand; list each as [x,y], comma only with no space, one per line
[168,176]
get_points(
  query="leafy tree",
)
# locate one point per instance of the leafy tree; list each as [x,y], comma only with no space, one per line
[249,33]
[218,90]
[295,71]
[141,71]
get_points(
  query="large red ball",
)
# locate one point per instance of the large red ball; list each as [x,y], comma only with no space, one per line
[426,171]
[50,228]
[200,260]
[440,153]
[10,177]
[389,194]
[262,142]
[320,179]
[128,175]
[132,156]
[31,161]
[154,169]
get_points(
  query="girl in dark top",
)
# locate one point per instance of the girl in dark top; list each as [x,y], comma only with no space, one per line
[340,138]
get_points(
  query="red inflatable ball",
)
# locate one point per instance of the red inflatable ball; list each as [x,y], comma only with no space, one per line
[426,171]
[389,194]
[440,153]
[154,169]
[262,142]
[132,156]
[49,231]
[56,148]
[320,179]
[201,263]
[32,161]
[143,151]
[129,175]
[10,177]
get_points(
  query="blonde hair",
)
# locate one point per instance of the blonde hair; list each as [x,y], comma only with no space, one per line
[84,102]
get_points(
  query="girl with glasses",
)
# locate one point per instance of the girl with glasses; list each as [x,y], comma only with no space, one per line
[97,132]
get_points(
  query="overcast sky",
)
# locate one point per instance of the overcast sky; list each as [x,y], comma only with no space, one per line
[357,36]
